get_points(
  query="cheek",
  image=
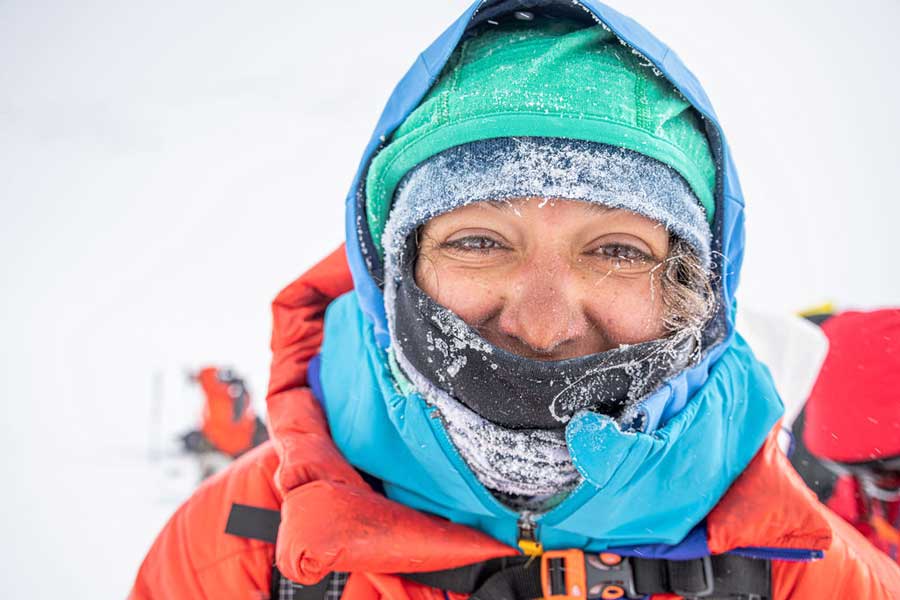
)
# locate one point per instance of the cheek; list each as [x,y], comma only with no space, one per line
[472,294]
[627,311]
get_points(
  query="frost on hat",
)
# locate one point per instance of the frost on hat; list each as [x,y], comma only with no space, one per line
[551,78]
[508,168]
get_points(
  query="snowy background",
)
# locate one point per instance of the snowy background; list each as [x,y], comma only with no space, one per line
[166,167]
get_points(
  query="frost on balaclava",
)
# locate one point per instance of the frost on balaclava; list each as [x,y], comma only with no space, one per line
[504,413]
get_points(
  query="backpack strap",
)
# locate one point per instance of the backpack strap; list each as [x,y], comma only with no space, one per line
[261,524]
[721,576]
[560,574]
[497,579]
[567,574]
[253,522]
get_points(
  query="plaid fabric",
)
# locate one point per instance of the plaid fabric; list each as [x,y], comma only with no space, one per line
[288,590]
[336,586]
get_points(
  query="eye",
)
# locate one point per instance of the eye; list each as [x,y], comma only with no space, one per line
[623,256]
[473,243]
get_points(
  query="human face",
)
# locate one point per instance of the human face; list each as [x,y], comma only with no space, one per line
[547,279]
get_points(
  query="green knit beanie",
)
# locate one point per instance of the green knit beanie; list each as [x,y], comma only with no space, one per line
[551,79]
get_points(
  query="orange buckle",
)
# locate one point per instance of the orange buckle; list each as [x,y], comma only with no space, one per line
[563,575]
[574,575]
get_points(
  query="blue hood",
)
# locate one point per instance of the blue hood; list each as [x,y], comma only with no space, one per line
[728,228]
[399,439]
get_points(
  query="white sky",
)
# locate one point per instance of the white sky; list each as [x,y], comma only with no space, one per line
[168,166]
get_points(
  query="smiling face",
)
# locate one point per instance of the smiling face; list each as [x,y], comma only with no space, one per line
[547,279]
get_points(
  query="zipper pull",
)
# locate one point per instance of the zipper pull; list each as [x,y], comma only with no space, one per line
[528,541]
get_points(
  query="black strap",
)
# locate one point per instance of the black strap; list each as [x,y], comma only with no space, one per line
[522,581]
[253,522]
[495,579]
[463,580]
[739,575]
[733,577]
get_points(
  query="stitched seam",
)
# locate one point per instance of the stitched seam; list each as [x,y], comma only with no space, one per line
[641,103]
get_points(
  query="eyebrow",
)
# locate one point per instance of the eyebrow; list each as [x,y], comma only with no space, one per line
[506,203]
[600,208]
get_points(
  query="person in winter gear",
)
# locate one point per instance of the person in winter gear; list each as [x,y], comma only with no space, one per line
[527,346]
[853,422]
[229,426]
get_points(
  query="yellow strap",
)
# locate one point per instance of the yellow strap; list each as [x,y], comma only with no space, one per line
[531,548]
[825,308]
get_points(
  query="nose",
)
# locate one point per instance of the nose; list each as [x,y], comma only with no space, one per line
[543,310]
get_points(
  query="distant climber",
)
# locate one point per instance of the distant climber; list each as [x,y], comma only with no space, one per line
[228,424]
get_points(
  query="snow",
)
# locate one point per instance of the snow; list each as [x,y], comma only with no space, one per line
[167,167]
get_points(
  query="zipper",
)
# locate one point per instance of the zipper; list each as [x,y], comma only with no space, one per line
[527,534]
[787,554]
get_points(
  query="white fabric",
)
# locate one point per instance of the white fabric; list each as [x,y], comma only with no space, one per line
[792,348]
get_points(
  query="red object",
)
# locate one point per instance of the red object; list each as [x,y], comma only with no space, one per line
[332,521]
[228,420]
[878,521]
[853,412]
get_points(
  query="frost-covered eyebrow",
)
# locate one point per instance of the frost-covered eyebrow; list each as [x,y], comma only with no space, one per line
[504,205]
[508,204]
[599,208]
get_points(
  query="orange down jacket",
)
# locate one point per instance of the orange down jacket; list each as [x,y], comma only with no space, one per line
[332,520]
